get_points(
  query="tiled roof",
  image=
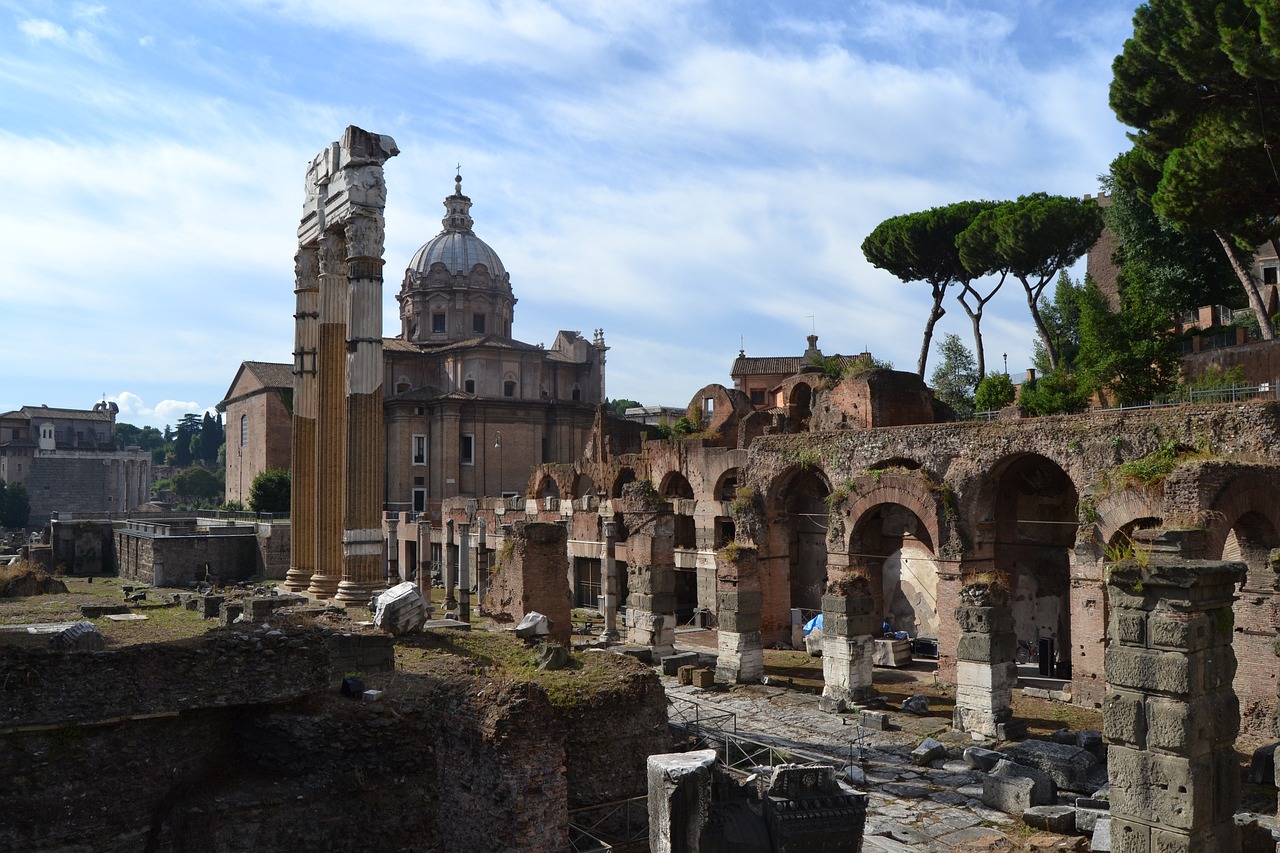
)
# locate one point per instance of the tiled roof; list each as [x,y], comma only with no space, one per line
[65,414]
[785,365]
[271,374]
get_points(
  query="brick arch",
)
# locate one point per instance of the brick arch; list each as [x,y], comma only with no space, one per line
[584,483]
[548,483]
[626,475]
[985,487]
[1118,512]
[674,484]
[776,488]
[902,489]
[734,472]
[1245,495]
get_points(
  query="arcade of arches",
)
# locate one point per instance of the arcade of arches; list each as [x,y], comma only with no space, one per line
[915,513]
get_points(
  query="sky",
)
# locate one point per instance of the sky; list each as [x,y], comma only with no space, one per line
[691,176]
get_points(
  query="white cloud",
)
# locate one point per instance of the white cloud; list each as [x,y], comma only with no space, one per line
[133,410]
[80,41]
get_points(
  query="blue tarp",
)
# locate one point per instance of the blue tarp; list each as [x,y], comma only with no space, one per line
[815,622]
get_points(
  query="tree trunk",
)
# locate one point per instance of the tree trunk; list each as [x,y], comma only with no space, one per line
[1251,290]
[935,315]
[1032,298]
[975,316]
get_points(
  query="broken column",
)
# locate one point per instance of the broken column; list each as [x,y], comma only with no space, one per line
[393,548]
[985,670]
[532,575]
[651,576]
[679,799]
[740,651]
[847,645]
[1171,716]
[609,576]
[464,572]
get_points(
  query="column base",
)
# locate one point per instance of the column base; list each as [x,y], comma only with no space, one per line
[297,580]
[323,586]
[740,658]
[846,667]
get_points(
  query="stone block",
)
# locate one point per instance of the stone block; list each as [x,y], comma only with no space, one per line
[891,653]
[1012,788]
[848,626]
[685,674]
[1163,789]
[982,759]
[832,705]
[704,678]
[874,720]
[741,601]
[1100,841]
[1124,718]
[1087,817]
[229,613]
[839,605]
[1262,767]
[1001,676]
[738,621]
[1200,725]
[1059,819]
[984,620]
[1191,632]
[1129,627]
[740,657]
[1155,671]
[1011,730]
[207,606]
[671,663]
[1070,767]
[987,648]
[1091,740]
[929,750]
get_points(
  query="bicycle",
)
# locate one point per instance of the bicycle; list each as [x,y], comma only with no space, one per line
[1027,652]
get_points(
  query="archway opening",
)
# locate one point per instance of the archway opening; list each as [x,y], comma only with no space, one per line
[892,546]
[676,486]
[800,407]
[548,488]
[1035,528]
[806,518]
[625,476]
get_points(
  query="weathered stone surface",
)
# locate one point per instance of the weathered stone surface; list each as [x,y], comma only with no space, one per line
[1101,839]
[1059,819]
[891,653]
[1070,767]
[917,704]
[982,759]
[875,720]
[671,663]
[1013,788]
[928,751]
[679,799]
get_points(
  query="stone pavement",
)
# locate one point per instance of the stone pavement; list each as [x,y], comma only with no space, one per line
[911,808]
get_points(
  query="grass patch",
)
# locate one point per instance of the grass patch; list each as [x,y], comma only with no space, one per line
[502,657]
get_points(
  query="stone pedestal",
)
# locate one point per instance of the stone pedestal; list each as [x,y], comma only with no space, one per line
[655,630]
[739,657]
[985,670]
[847,648]
[651,602]
[740,650]
[891,653]
[1171,716]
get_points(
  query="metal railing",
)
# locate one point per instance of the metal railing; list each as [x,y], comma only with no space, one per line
[607,826]
[690,718]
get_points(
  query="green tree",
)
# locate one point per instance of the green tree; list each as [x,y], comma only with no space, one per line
[1185,269]
[956,376]
[1200,83]
[15,510]
[619,407]
[197,485]
[212,437]
[1061,318]
[1054,393]
[995,391]
[922,247]
[270,491]
[1034,238]
[1131,353]
[183,446]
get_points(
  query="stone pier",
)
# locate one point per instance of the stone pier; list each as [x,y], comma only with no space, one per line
[1171,716]
[609,573]
[533,575]
[847,648]
[740,648]
[651,580]
[985,668]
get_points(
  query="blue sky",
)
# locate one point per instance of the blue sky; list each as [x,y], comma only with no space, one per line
[689,176]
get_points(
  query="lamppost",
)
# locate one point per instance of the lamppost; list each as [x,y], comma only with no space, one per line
[1005,356]
[497,445]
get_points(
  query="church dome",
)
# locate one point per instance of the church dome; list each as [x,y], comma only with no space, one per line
[457,246]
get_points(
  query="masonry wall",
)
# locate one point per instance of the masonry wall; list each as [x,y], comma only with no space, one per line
[1261,361]
[240,742]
